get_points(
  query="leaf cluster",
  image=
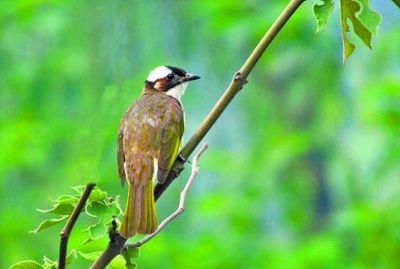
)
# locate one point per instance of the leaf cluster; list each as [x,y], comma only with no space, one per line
[364,21]
[103,211]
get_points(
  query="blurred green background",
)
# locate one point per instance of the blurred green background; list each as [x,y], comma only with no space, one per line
[303,167]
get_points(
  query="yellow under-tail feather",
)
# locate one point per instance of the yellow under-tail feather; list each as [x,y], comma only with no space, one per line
[140,212]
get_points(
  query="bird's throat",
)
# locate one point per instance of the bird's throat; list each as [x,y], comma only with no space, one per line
[177,91]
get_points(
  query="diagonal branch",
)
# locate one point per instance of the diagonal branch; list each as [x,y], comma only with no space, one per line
[239,79]
[66,231]
[181,206]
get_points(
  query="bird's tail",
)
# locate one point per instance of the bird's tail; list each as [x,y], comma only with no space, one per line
[140,212]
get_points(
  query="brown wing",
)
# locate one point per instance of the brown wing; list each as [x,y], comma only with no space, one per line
[142,137]
[120,153]
[170,139]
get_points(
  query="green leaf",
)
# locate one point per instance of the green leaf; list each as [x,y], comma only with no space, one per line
[120,262]
[322,12]
[66,199]
[91,256]
[96,231]
[28,264]
[397,3]
[133,252]
[116,203]
[79,189]
[350,10]
[49,264]
[129,255]
[369,18]
[59,209]
[97,195]
[72,256]
[104,212]
[48,223]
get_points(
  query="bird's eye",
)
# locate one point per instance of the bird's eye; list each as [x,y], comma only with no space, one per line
[170,76]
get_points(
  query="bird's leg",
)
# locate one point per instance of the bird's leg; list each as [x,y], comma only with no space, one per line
[181,158]
[179,166]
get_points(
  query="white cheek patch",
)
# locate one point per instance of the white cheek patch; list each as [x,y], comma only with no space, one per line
[157,73]
[177,91]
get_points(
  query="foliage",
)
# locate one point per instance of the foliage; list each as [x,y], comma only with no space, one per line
[364,20]
[302,170]
[104,209]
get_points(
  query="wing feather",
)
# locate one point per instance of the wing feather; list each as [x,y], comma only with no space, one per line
[170,143]
[120,153]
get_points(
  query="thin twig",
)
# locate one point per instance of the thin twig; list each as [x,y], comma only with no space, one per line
[237,83]
[181,206]
[66,231]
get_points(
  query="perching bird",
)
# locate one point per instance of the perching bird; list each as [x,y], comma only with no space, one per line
[149,137]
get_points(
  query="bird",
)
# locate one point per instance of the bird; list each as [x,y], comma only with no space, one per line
[149,137]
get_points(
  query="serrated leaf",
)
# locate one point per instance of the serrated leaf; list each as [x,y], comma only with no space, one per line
[96,231]
[129,255]
[48,223]
[91,256]
[66,199]
[59,209]
[97,195]
[87,241]
[117,205]
[105,213]
[96,209]
[350,9]
[49,264]
[72,256]
[322,12]
[79,189]
[28,264]
[369,18]
[120,262]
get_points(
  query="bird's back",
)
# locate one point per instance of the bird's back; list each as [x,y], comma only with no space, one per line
[151,130]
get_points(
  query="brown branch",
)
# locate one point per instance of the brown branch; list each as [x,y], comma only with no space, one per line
[115,246]
[181,206]
[66,231]
[239,79]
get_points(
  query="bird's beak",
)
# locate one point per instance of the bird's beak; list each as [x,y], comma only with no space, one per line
[190,77]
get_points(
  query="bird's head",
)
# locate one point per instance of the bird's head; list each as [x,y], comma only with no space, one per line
[169,80]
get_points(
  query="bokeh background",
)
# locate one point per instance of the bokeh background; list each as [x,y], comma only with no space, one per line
[303,167]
